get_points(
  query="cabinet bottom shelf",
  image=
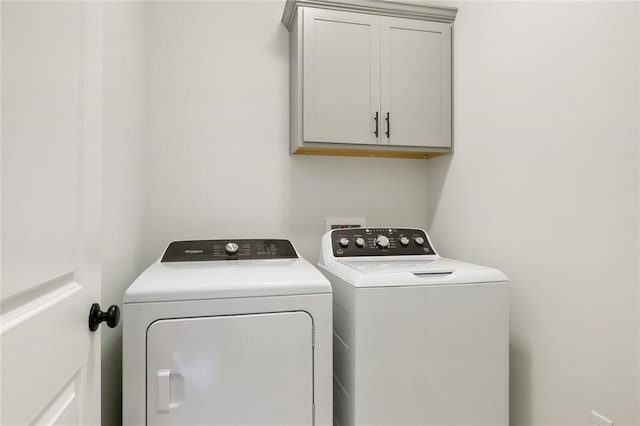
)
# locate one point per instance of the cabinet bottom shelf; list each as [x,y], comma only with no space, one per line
[343,152]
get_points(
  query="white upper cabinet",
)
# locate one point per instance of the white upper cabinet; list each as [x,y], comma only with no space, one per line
[370,78]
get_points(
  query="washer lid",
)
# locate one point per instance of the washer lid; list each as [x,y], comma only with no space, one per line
[175,281]
[410,271]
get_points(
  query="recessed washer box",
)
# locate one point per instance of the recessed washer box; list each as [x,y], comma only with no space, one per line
[344,223]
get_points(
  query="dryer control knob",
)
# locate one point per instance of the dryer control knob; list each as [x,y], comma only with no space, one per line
[344,242]
[231,248]
[382,242]
[360,242]
[404,241]
[419,240]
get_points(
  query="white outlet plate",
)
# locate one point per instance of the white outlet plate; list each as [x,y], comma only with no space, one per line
[344,222]
[600,420]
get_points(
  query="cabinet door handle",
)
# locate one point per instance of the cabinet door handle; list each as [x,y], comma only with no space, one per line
[376,118]
[388,120]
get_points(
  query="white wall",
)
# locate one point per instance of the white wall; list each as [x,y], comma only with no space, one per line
[544,185]
[218,139]
[124,179]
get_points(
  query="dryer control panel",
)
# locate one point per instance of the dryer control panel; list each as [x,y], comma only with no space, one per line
[207,250]
[380,242]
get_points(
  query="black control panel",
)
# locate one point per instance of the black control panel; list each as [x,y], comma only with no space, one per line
[207,250]
[379,242]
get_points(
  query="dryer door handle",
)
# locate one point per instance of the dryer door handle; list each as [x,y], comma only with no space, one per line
[164,390]
[170,390]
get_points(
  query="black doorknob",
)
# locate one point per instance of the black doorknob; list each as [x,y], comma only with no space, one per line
[96,316]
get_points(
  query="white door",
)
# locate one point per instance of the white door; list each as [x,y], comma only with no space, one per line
[231,370]
[341,69]
[51,115]
[416,82]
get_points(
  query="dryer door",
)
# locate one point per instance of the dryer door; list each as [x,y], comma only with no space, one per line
[231,370]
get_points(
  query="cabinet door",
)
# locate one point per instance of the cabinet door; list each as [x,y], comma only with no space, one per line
[341,76]
[416,82]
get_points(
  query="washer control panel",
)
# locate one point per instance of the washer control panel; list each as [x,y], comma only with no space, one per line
[207,250]
[380,242]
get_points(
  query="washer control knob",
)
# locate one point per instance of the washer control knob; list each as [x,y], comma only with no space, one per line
[231,248]
[404,241]
[419,240]
[344,242]
[382,242]
[360,242]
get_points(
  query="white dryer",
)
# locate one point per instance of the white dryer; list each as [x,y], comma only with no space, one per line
[418,339]
[228,332]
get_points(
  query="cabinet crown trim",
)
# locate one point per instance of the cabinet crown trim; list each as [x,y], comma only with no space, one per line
[375,7]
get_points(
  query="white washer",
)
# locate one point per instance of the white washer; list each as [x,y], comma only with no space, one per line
[418,339]
[228,332]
